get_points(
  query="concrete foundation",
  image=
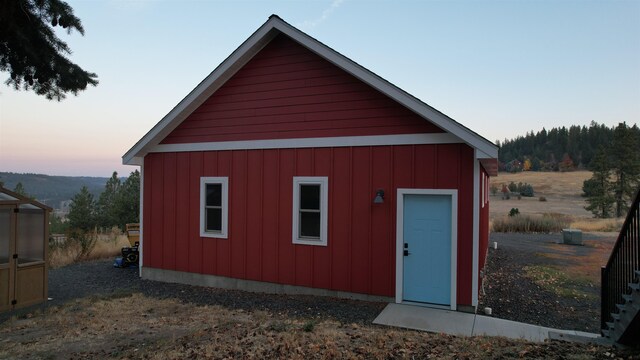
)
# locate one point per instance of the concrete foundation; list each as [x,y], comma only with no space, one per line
[250,285]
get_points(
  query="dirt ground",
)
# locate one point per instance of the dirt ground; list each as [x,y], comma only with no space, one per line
[134,326]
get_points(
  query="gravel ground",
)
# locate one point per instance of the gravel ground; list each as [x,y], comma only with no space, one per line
[100,279]
[507,291]
[513,296]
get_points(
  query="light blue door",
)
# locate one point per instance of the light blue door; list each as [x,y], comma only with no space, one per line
[427,249]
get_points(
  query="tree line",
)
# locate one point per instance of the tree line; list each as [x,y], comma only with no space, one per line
[558,149]
[616,174]
[117,205]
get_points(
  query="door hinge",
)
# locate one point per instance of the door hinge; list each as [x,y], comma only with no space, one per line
[15,256]
[14,301]
[16,210]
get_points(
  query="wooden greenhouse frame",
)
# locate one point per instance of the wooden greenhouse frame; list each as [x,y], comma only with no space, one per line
[24,230]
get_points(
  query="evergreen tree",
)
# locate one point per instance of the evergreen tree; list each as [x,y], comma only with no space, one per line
[128,200]
[82,211]
[598,188]
[19,189]
[107,212]
[33,54]
[57,225]
[625,163]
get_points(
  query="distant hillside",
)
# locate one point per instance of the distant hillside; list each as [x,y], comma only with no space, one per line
[558,148]
[52,190]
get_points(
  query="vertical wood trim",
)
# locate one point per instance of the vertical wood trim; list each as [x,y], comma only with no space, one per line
[370,217]
[175,213]
[330,218]
[476,229]
[233,237]
[246,213]
[141,222]
[202,252]
[45,285]
[392,225]
[293,199]
[261,237]
[350,216]
[278,175]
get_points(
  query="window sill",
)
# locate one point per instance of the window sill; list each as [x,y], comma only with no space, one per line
[316,242]
[213,235]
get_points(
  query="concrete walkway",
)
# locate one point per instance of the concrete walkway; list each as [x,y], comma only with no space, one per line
[459,323]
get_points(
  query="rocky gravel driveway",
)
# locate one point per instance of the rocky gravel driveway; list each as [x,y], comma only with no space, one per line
[101,279]
[512,295]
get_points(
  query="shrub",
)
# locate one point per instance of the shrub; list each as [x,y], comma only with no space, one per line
[526,190]
[309,326]
[513,212]
[493,189]
[546,223]
[522,189]
[85,239]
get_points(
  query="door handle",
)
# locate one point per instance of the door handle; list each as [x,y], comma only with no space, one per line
[406,252]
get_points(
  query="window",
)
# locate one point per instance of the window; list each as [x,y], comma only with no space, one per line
[310,202]
[214,206]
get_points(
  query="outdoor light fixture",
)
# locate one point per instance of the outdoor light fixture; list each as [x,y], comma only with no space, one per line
[379,199]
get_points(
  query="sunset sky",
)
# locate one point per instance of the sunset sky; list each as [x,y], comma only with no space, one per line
[502,68]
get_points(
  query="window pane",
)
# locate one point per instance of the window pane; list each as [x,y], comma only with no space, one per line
[310,197]
[214,220]
[30,235]
[310,224]
[214,194]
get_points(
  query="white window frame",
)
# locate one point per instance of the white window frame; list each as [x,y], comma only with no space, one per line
[224,182]
[323,181]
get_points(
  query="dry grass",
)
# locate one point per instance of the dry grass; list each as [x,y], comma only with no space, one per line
[135,327]
[578,263]
[560,282]
[107,245]
[563,194]
[547,223]
[594,225]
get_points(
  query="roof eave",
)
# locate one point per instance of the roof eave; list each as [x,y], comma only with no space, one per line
[252,46]
[202,91]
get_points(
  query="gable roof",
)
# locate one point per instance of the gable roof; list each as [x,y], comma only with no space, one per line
[250,47]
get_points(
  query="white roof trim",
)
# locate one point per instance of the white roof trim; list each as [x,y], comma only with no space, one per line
[251,47]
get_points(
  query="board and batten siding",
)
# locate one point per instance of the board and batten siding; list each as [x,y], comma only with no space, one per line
[287,91]
[360,256]
[483,194]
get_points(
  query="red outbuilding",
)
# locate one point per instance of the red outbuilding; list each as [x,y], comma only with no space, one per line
[292,169]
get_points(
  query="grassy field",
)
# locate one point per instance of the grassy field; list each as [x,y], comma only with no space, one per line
[136,327]
[562,192]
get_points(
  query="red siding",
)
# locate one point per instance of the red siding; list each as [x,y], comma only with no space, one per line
[287,91]
[360,256]
[484,221]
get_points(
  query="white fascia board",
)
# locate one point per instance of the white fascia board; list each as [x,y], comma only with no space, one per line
[255,43]
[483,155]
[399,95]
[340,141]
[203,91]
